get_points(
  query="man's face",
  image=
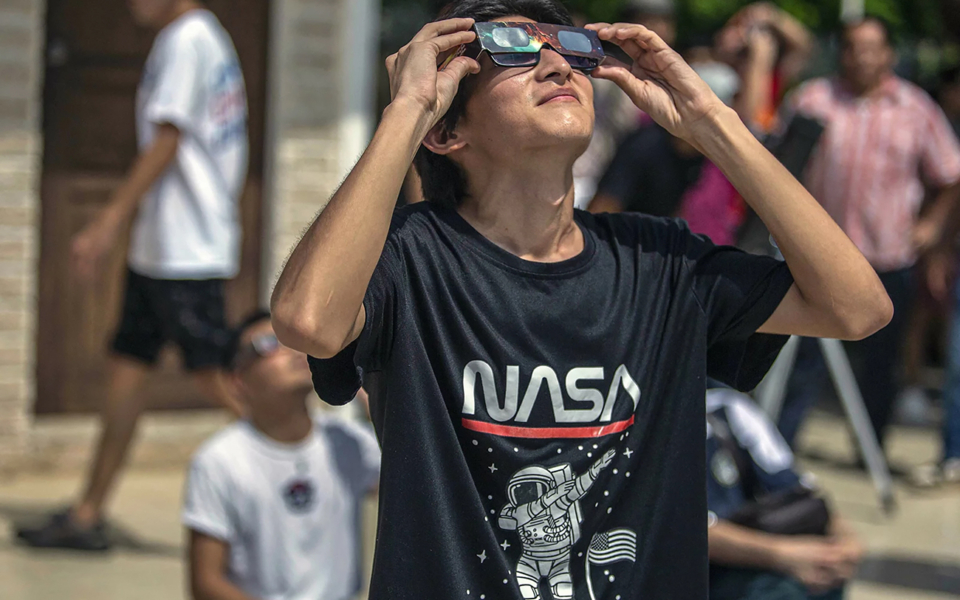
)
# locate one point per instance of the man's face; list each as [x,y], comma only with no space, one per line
[151,13]
[867,56]
[267,379]
[521,109]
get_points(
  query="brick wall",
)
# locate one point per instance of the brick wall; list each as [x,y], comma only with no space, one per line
[21,37]
[304,123]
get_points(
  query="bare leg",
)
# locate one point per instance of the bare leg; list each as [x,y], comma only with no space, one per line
[118,424]
[212,384]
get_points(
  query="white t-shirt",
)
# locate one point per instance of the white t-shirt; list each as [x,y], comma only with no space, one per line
[188,224]
[290,513]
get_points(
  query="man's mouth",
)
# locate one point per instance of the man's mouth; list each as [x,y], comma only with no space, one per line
[563,94]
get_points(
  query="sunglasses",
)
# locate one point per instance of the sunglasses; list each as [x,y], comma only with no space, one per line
[519,44]
[260,346]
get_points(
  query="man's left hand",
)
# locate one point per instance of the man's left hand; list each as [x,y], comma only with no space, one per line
[659,81]
[927,233]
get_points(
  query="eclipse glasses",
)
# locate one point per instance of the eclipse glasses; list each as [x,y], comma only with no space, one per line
[519,44]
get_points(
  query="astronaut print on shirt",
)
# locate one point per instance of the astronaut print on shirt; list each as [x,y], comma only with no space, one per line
[544,510]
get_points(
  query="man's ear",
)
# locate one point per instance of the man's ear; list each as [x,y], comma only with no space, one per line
[443,142]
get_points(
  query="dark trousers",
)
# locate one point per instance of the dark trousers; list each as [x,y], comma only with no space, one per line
[728,583]
[875,363]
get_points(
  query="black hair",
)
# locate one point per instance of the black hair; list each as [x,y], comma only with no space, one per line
[233,346]
[849,26]
[444,182]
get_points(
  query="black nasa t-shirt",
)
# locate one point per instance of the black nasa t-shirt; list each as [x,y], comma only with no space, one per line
[543,425]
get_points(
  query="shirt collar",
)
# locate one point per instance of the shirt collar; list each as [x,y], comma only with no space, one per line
[889,90]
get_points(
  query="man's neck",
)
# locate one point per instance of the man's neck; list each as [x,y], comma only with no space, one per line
[288,420]
[528,212]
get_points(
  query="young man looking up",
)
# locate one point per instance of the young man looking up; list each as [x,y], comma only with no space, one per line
[181,196]
[273,503]
[536,373]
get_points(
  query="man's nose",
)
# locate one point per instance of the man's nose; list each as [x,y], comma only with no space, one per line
[553,64]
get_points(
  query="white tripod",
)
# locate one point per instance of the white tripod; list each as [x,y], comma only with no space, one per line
[771,392]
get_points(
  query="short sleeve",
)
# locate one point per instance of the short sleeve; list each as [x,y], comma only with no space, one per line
[177,97]
[338,379]
[940,153]
[206,507]
[737,292]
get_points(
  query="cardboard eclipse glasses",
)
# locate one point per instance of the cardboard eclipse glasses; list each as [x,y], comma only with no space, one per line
[519,44]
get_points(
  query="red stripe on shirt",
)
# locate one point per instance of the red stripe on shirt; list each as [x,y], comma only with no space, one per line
[547,432]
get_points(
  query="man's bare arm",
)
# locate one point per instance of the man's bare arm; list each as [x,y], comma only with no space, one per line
[736,546]
[207,563]
[942,221]
[90,245]
[816,562]
[837,293]
[317,305]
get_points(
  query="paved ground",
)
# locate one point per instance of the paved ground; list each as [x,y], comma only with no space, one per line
[914,554]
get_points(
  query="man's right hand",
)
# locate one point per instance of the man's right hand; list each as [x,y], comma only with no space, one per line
[90,247]
[814,561]
[414,77]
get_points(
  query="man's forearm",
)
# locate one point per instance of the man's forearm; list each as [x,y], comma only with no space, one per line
[842,291]
[320,291]
[147,168]
[945,214]
[735,546]
[219,588]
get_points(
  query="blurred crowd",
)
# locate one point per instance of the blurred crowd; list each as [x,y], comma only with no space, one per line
[877,151]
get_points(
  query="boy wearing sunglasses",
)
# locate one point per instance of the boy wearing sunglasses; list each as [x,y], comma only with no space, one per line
[272,504]
[537,373]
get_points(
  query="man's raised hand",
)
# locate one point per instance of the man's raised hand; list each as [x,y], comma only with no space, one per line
[414,77]
[659,81]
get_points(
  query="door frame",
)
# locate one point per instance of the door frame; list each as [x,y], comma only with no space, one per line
[51,398]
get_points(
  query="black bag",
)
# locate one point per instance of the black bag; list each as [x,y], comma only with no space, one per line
[796,511]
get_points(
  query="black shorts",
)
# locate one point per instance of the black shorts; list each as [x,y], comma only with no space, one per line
[188,312]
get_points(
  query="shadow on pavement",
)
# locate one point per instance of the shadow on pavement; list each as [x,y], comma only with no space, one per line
[913,573]
[124,540]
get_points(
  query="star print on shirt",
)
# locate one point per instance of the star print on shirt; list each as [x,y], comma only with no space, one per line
[628,452]
[492,468]
[482,556]
[505,545]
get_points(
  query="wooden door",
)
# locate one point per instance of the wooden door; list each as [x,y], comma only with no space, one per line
[94,57]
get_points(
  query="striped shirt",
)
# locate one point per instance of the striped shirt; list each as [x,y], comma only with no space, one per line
[873,160]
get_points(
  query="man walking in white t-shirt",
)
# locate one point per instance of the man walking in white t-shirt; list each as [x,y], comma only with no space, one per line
[273,503]
[181,197]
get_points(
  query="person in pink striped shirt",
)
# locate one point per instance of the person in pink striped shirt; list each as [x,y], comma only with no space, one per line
[885,142]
